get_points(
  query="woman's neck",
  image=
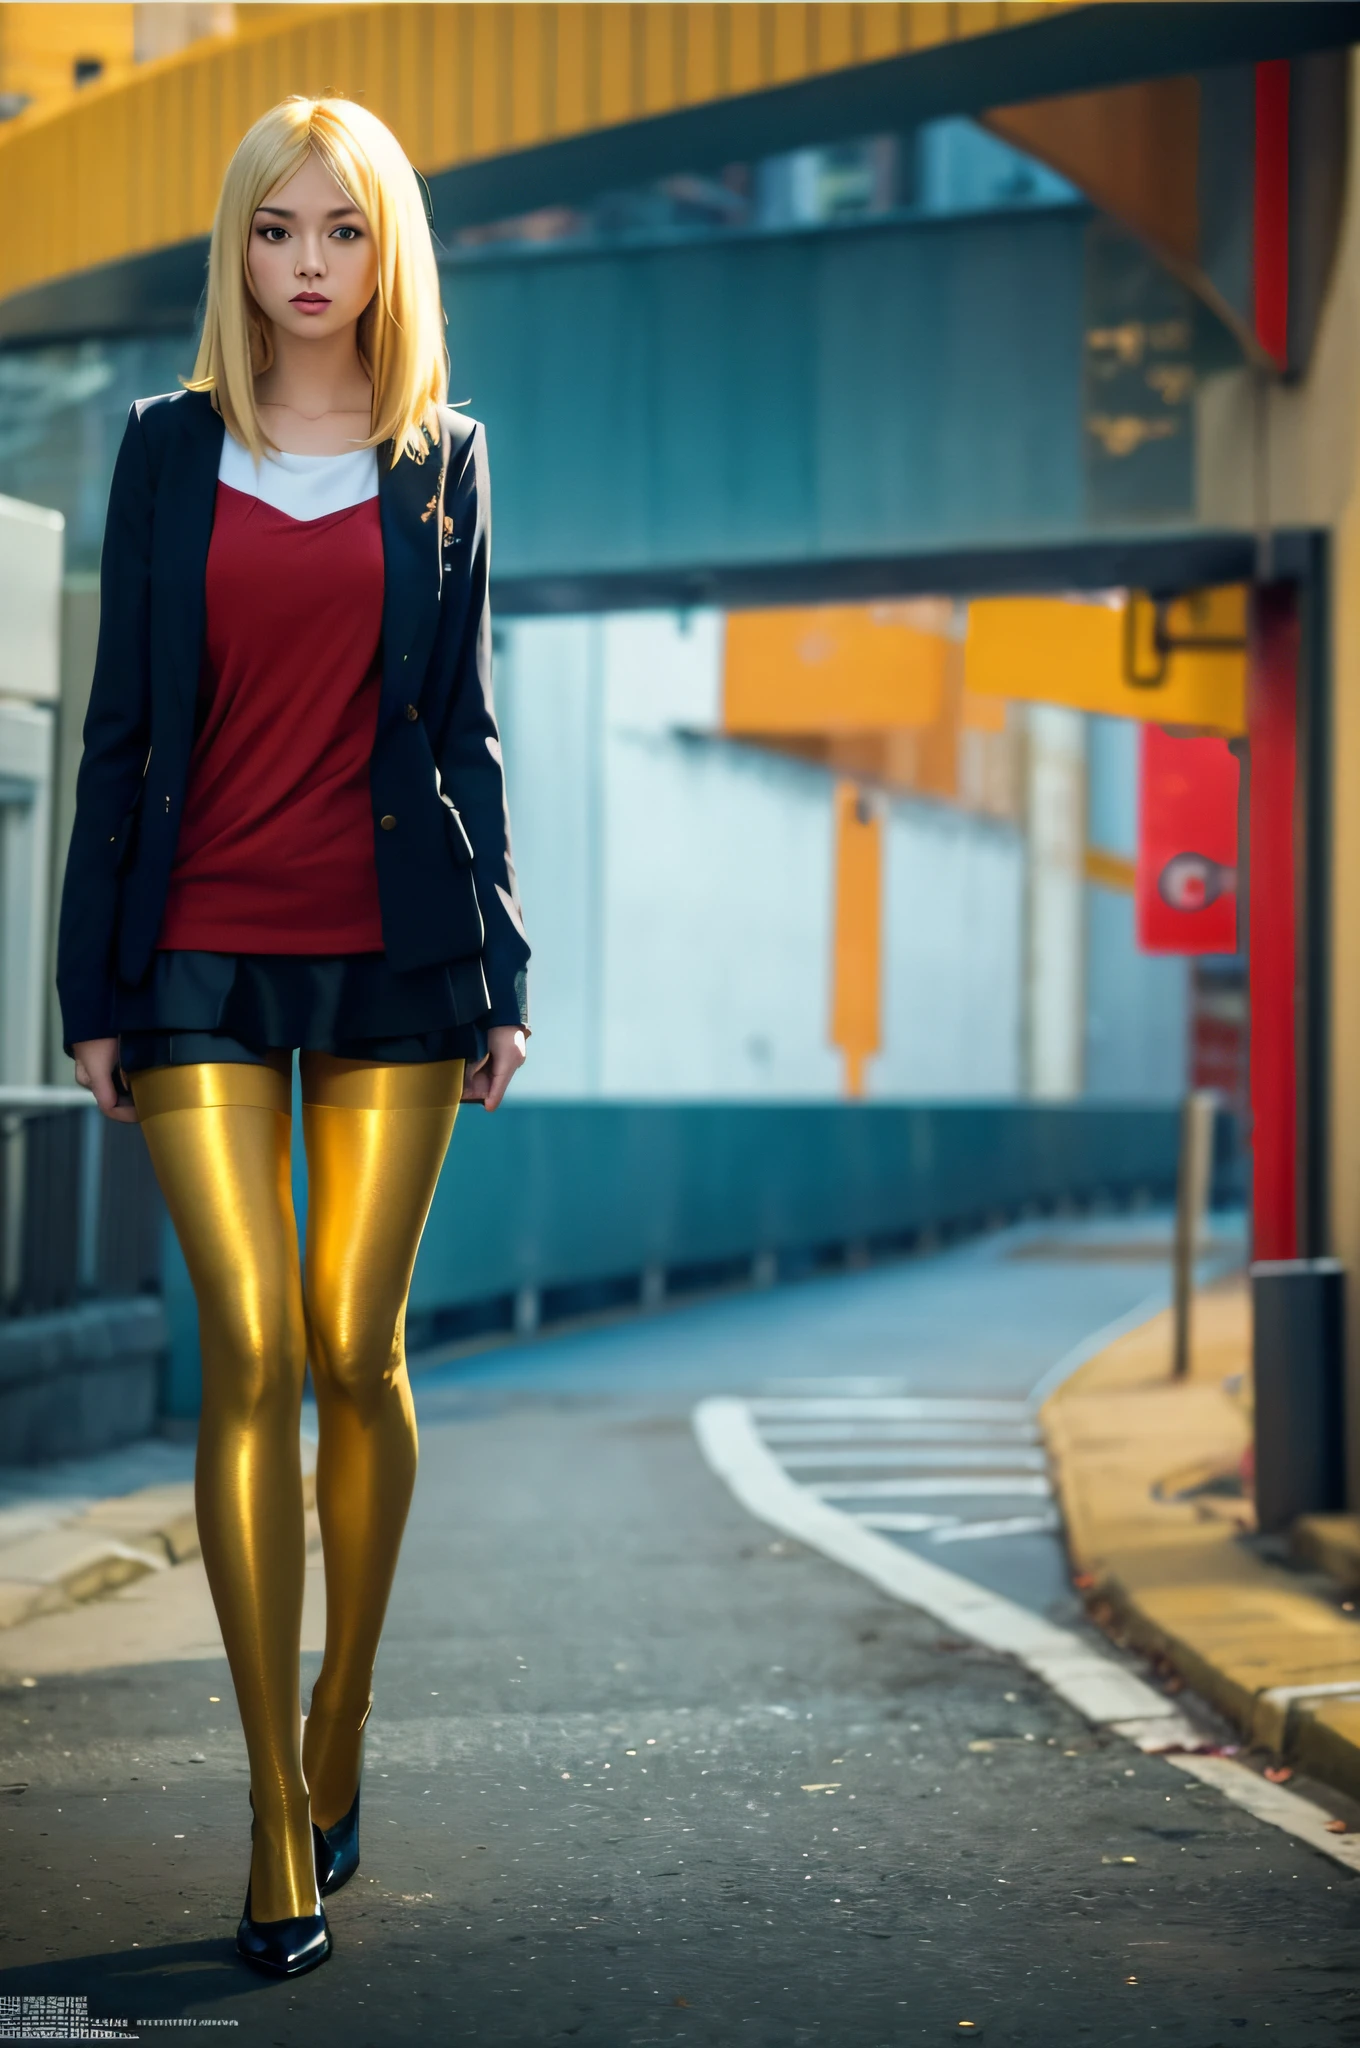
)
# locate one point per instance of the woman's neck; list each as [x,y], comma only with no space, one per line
[315,398]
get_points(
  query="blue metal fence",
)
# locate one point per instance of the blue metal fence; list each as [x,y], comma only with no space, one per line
[549,1208]
[82,1336]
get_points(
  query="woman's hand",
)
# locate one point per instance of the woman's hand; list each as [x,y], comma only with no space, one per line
[488,1080]
[96,1064]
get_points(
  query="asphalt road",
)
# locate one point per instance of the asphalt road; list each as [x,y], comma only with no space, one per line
[640,1771]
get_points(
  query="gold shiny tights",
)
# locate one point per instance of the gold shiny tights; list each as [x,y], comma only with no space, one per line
[219,1137]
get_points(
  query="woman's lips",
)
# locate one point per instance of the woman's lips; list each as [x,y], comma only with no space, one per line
[310,302]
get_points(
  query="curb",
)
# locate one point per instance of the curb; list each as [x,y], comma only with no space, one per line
[1163,1543]
[107,1547]
[1332,1544]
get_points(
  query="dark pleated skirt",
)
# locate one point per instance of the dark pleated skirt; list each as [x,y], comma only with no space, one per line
[239,1006]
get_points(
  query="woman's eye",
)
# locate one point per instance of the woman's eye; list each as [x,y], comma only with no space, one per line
[350,234]
[273,232]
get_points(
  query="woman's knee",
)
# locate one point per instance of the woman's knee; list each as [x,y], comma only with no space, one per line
[357,1356]
[253,1361]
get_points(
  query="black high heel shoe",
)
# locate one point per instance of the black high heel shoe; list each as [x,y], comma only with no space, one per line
[337,1847]
[282,1948]
[337,1851]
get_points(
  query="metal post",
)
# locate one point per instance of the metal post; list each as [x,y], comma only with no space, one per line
[11,1207]
[1298,1372]
[528,1311]
[90,1197]
[1192,1196]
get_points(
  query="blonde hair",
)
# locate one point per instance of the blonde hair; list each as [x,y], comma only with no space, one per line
[401,330]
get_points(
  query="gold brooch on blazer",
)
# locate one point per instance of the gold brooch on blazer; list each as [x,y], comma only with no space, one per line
[433,505]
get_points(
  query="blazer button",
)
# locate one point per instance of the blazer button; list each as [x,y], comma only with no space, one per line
[388,823]
[412,713]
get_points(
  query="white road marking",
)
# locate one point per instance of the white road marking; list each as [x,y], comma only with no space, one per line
[1103,1692]
[1013,1486]
[905,1524]
[846,1384]
[1100,1689]
[998,1438]
[1006,1458]
[866,1408]
[899,1432]
[1274,1804]
[1009,1525]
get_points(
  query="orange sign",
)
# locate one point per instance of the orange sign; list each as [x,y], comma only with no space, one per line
[837,668]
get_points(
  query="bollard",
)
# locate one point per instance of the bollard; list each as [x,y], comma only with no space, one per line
[1298,1366]
[527,1311]
[1192,1195]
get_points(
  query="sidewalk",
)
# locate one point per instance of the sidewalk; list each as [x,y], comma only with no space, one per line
[74,1531]
[1161,1534]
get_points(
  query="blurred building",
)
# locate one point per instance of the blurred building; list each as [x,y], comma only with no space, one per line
[723,989]
[805,335]
[50,51]
[921,330]
[682,881]
[30,636]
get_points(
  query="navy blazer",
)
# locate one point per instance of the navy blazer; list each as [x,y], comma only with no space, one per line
[446,879]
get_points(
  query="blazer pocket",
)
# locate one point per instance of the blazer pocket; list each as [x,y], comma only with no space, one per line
[458,839]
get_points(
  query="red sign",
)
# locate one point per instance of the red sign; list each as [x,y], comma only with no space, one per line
[1186,888]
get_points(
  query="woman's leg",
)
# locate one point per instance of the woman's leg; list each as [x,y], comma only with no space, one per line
[376,1136]
[218,1136]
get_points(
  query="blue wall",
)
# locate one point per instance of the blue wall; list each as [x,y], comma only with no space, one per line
[817,396]
[561,1194]
[1137,1004]
[783,398]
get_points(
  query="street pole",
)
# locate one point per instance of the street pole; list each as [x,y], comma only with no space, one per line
[1192,1196]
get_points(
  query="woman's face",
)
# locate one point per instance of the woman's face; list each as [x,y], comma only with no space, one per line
[312,262]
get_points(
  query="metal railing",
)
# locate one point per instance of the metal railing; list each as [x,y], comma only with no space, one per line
[80,1212]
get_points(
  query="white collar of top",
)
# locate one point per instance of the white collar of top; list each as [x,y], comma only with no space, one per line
[301,486]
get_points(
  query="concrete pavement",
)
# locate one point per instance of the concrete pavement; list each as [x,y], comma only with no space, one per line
[642,1770]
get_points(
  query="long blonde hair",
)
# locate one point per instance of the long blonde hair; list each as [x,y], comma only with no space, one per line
[401,330]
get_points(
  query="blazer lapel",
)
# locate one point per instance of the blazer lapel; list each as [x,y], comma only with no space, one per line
[411,505]
[188,491]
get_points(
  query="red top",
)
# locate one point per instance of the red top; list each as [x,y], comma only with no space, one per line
[275,851]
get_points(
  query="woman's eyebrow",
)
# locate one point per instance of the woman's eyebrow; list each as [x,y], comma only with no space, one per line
[287,213]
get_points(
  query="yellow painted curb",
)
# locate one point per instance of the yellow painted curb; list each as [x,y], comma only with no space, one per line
[1332,1543]
[1147,1471]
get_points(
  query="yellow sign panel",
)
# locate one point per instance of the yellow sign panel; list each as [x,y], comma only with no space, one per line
[837,668]
[857,968]
[1183,665]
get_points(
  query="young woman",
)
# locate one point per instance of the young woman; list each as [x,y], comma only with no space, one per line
[291,832]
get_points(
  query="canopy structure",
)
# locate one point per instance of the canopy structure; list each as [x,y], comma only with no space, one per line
[506,107]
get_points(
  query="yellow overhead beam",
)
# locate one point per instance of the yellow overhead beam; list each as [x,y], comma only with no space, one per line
[135,166]
[41,45]
[836,668]
[1052,650]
